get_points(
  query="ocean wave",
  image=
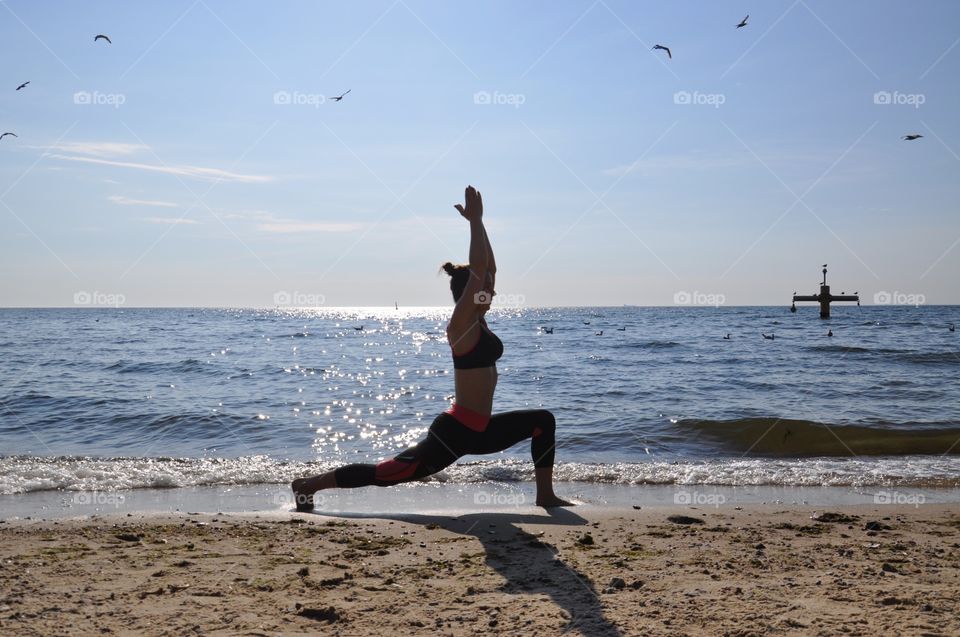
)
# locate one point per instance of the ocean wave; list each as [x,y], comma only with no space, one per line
[798,438]
[26,474]
[653,345]
[904,355]
[843,349]
[932,358]
[189,365]
[27,398]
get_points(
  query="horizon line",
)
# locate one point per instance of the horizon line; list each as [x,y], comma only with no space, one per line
[431,307]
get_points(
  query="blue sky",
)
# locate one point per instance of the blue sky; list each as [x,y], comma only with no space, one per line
[198,159]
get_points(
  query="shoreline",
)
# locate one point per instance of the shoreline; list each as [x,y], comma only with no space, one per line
[448,498]
[590,570]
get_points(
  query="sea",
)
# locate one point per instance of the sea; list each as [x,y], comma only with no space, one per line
[116,400]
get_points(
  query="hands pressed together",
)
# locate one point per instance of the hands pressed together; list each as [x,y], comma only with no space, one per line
[474,205]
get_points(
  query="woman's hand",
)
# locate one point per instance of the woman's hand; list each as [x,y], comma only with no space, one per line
[474,207]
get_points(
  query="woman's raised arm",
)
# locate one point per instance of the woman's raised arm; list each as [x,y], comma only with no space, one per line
[480,256]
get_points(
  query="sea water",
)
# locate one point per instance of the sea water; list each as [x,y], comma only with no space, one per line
[107,400]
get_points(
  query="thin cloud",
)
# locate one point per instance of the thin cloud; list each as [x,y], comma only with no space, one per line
[120,200]
[254,215]
[195,172]
[100,149]
[296,227]
[266,221]
[174,221]
[677,162]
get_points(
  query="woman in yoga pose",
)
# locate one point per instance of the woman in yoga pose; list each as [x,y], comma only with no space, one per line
[469,426]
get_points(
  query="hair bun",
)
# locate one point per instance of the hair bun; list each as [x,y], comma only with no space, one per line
[449,268]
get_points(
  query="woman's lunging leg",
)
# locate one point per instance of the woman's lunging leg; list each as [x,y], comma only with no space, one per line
[420,461]
[427,457]
[507,429]
[510,427]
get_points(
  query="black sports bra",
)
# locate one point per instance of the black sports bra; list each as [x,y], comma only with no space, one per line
[485,353]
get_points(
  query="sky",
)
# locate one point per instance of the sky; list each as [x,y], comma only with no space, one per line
[199,159]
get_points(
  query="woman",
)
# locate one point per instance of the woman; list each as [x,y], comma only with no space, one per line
[468,427]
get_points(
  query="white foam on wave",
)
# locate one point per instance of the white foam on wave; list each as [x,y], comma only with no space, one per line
[25,474]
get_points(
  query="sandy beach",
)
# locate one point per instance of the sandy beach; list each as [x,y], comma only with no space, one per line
[757,570]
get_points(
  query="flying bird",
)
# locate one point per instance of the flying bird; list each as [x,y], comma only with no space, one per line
[5,134]
[340,97]
[102,37]
[662,48]
[743,22]
[912,136]
[22,85]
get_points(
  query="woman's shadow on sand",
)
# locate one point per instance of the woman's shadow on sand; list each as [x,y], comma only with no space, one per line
[527,564]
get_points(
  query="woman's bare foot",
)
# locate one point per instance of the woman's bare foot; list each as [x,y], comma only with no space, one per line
[545,495]
[303,499]
[553,501]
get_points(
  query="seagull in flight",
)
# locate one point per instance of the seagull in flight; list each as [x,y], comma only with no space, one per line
[662,48]
[912,136]
[340,97]
[102,37]
[743,22]
[5,134]
[22,85]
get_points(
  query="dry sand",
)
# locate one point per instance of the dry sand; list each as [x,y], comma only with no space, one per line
[592,571]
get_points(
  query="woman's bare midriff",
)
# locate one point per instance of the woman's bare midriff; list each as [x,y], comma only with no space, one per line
[474,388]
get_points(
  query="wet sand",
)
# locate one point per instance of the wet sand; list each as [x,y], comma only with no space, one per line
[763,569]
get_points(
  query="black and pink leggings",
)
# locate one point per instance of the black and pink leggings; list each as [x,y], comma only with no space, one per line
[448,439]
